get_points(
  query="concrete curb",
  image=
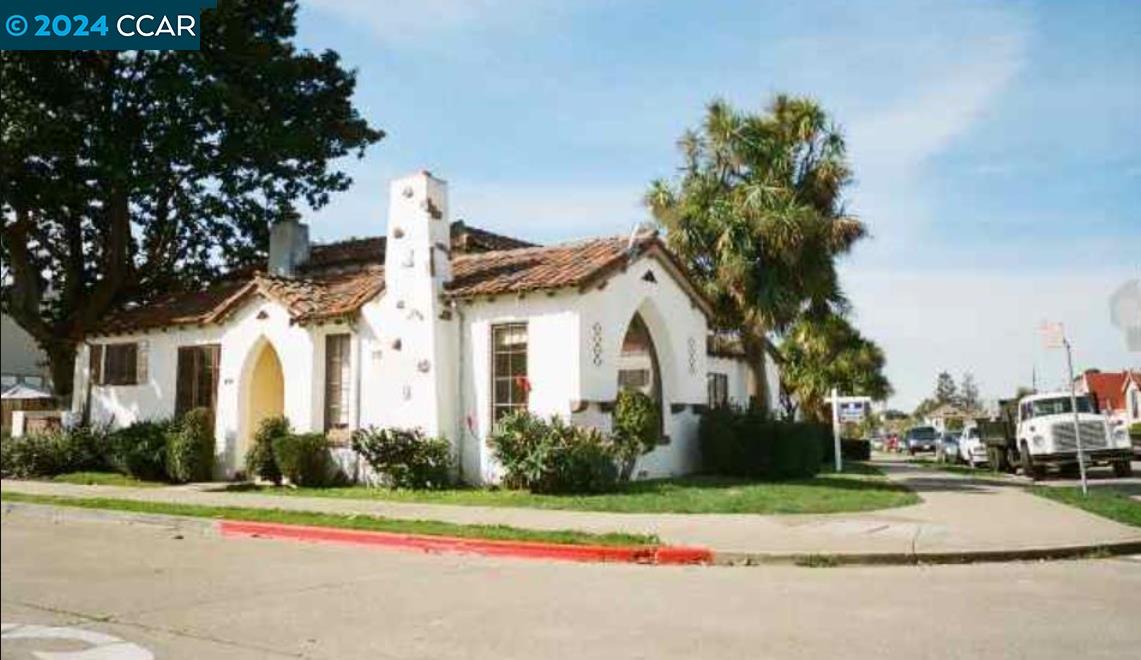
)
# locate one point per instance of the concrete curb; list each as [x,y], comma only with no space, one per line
[1085,551]
[648,555]
[652,555]
[491,548]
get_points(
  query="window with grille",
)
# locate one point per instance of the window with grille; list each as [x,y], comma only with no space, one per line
[718,385]
[510,386]
[120,364]
[338,376]
[197,377]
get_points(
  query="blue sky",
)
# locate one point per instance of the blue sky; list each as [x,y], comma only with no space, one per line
[996,146]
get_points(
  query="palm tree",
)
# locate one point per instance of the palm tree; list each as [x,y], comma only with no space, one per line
[758,216]
[819,354]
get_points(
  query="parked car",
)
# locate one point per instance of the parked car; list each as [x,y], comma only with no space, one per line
[921,438]
[947,450]
[971,447]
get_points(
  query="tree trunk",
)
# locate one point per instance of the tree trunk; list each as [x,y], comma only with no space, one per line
[61,363]
[755,357]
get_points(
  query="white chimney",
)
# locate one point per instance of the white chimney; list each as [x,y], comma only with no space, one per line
[419,334]
[288,246]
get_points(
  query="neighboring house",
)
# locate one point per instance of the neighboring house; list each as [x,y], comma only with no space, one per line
[437,325]
[1131,397]
[1106,389]
[947,417]
[21,360]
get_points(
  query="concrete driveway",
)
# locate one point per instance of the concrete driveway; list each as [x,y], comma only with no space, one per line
[203,597]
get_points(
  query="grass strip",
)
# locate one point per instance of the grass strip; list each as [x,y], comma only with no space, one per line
[861,489]
[1102,501]
[105,479]
[341,521]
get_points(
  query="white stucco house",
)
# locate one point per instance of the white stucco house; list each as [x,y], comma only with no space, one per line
[436,325]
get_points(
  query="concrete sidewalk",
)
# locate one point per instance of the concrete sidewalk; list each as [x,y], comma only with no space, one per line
[958,515]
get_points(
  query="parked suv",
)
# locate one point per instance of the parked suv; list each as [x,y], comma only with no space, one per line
[921,438]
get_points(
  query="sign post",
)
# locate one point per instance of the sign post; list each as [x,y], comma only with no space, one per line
[836,430]
[845,409]
[1054,336]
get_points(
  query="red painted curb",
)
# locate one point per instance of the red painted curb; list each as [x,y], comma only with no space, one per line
[491,548]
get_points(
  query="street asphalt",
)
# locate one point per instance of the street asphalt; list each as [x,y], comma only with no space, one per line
[165,594]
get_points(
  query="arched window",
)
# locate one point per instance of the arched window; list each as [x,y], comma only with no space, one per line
[638,363]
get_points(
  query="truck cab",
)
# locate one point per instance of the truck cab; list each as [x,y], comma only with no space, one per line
[1045,435]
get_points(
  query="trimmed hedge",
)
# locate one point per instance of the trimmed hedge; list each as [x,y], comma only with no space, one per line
[139,450]
[406,458]
[190,447]
[749,444]
[260,460]
[54,452]
[851,449]
[552,456]
[303,459]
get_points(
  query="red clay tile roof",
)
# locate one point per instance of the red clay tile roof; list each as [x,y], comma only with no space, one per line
[370,251]
[1107,389]
[189,308]
[331,292]
[528,269]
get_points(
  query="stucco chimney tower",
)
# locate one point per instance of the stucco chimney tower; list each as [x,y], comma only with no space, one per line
[419,339]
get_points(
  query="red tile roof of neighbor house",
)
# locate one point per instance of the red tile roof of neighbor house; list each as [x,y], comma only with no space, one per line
[341,277]
[1108,389]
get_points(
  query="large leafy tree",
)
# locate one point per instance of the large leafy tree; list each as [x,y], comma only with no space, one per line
[124,175]
[969,393]
[819,354]
[945,389]
[758,216]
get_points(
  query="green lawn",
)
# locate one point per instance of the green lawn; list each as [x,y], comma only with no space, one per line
[359,522]
[105,479]
[1102,501]
[860,488]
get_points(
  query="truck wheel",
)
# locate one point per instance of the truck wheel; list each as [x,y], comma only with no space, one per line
[1122,469]
[1029,469]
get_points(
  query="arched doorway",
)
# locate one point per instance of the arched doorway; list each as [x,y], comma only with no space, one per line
[638,366]
[263,393]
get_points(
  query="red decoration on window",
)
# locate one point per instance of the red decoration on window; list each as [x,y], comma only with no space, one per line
[523,383]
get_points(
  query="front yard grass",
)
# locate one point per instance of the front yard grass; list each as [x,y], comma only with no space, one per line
[1103,501]
[105,479]
[356,522]
[859,488]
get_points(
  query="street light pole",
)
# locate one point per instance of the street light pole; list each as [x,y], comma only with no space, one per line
[1074,406]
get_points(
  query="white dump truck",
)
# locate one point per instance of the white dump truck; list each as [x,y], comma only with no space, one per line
[1037,432]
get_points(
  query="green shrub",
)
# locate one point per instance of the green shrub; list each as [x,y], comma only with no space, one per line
[405,458]
[636,427]
[551,456]
[749,444]
[38,455]
[88,448]
[260,461]
[1135,432]
[303,459]
[190,447]
[140,449]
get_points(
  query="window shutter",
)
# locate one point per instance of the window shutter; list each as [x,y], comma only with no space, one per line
[96,364]
[141,363]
